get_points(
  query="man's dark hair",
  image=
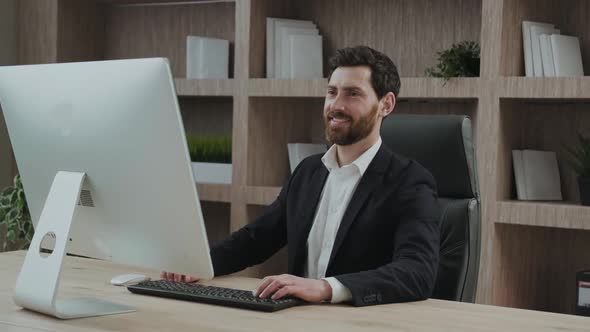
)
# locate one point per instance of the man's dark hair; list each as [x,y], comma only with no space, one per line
[384,75]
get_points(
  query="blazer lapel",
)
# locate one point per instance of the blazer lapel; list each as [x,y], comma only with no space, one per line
[371,178]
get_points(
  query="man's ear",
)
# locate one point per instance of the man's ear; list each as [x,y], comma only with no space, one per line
[387,104]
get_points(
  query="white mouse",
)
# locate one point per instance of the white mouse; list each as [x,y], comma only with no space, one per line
[128,279]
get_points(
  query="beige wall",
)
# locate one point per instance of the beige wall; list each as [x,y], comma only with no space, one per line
[7,57]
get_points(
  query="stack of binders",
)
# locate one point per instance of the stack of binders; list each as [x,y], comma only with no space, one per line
[293,49]
[547,53]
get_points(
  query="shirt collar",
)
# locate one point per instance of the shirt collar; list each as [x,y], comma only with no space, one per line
[362,162]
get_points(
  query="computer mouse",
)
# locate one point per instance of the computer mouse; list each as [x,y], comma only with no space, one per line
[129,279]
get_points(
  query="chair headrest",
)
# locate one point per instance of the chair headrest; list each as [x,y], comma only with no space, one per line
[443,144]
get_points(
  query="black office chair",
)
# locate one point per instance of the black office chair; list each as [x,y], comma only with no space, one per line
[443,144]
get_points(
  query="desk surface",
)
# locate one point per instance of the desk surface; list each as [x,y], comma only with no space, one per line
[83,277]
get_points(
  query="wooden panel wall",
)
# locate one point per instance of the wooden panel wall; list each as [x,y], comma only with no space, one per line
[135,31]
[81,31]
[410,32]
[37,43]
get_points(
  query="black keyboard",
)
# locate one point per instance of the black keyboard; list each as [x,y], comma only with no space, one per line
[213,295]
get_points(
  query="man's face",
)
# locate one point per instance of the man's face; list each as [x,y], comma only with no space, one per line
[351,106]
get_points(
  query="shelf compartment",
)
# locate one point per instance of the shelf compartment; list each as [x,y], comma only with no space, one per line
[210,192]
[414,32]
[193,88]
[570,16]
[207,115]
[540,124]
[272,123]
[411,88]
[108,30]
[544,214]
[535,267]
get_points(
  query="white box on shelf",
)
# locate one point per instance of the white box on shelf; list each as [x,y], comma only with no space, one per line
[547,55]
[305,57]
[536,32]
[299,151]
[526,45]
[271,27]
[207,58]
[282,47]
[537,175]
[567,56]
[217,173]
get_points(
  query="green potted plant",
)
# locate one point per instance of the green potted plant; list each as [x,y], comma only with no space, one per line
[580,162]
[15,217]
[461,60]
[211,158]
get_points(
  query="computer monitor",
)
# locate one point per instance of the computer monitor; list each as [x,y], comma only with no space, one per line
[101,146]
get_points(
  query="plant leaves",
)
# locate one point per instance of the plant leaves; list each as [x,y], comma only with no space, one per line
[461,60]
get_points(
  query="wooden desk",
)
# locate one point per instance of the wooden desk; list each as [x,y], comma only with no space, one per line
[83,277]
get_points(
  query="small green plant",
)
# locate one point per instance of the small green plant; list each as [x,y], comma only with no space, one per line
[461,60]
[14,213]
[209,149]
[580,156]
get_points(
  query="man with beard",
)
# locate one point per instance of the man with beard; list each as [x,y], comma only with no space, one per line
[361,223]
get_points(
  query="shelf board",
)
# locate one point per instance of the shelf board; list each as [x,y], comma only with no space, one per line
[262,195]
[158,2]
[545,87]
[262,87]
[436,88]
[412,88]
[214,192]
[544,214]
[206,87]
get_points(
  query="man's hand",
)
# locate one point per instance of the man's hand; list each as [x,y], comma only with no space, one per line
[310,290]
[177,277]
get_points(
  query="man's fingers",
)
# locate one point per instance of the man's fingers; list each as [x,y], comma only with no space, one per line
[287,290]
[271,288]
[265,282]
[191,279]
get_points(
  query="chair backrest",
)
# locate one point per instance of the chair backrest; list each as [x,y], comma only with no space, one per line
[443,144]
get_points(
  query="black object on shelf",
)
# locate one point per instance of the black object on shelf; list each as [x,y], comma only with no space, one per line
[583,293]
[584,186]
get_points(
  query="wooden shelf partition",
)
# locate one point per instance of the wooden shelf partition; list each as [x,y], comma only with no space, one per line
[544,214]
[262,195]
[412,88]
[556,88]
[209,87]
[214,192]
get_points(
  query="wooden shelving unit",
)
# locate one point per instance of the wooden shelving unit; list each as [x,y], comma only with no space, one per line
[530,250]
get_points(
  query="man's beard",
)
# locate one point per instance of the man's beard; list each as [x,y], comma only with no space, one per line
[356,130]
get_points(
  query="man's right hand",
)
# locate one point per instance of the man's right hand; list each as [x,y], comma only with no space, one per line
[177,277]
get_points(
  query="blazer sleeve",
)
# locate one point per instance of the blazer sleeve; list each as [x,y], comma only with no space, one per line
[412,273]
[255,242]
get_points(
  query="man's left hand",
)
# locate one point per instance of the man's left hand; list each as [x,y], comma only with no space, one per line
[310,290]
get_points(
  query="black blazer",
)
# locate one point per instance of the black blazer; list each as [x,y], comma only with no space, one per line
[386,248]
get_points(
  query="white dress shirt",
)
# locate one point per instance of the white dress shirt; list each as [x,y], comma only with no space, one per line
[336,194]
